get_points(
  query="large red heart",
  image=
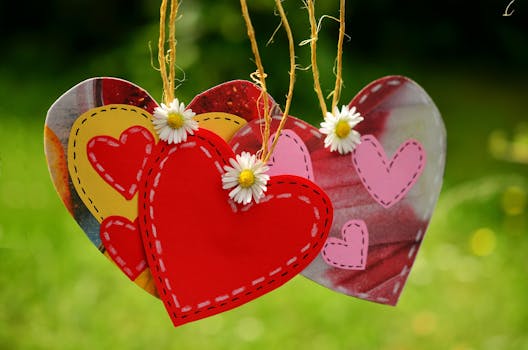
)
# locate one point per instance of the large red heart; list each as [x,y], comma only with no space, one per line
[208,254]
[120,162]
[395,110]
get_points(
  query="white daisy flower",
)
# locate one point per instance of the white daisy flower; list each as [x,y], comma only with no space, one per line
[174,122]
[247,175]
[338,128]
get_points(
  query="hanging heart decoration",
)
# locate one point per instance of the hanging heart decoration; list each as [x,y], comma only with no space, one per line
[98,136]
[391,182]
[122,184]
[212,205]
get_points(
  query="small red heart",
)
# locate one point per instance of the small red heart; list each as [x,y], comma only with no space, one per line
[123,243]
[208,254]
[120,162]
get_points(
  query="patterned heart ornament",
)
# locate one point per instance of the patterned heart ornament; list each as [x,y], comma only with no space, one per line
[159,211]
[383,193]
[98,137]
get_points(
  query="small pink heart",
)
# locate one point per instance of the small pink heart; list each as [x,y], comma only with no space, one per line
[388,182]
[291,156]
[349,253]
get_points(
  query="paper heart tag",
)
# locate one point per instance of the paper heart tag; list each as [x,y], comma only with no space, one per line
[208,254]
[106,108]
[396,110]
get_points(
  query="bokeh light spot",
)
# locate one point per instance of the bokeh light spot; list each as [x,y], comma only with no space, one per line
[483,242]
[498,144]
[514,200]
[249,329]
[424,323]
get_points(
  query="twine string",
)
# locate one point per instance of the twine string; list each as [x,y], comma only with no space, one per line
[339,59]
[289,97]
[168,57]
[172,47]
[260,78]
[314,33]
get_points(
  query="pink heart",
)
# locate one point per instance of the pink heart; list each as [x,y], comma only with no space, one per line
[395,109]
[388,182]
[349,253]
[291,156]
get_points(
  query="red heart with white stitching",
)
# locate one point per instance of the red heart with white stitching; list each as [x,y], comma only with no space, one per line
[208,254]
[120,162]
[122,241]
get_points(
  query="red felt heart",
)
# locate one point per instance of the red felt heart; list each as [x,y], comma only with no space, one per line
[396,110]
[120,162]
[123,243]
[208,254]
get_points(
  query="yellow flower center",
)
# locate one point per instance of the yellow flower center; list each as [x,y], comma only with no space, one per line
[175,120]
[342,129]
[246,178]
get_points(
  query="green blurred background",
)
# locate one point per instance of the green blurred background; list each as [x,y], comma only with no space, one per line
[467,288]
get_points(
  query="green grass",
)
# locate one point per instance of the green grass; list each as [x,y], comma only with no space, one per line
[466,291]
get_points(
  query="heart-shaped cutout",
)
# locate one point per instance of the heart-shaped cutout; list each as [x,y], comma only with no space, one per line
[122,241]
[350,252]
[388,181]
[208,254]
[120,162]
[291,156]
[396,110]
